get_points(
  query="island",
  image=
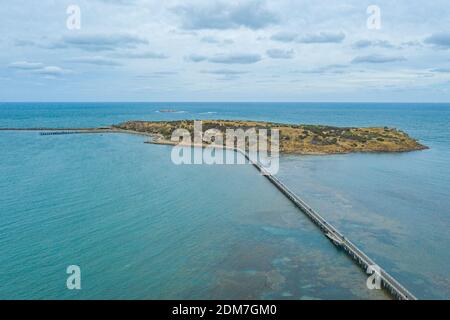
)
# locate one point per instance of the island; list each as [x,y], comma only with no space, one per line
[294,138]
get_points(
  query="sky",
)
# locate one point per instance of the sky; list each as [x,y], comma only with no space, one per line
[248,50]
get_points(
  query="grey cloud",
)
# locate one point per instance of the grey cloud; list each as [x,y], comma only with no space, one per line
[280,54]
[412,44]
[119,2]
[441,40]
[157,74]
[210,39]
[251,14]
[227,58]
[329,69]
[99,42]
[362,44]
[285,37]
[375,58]
[24,43]
[96,60]
[225,72]
[41,44]
[183,32]
[141,55]
[215,40]
[196,58]
[165,73]
[323,37]
[228,77]
[441,70]
[236,58]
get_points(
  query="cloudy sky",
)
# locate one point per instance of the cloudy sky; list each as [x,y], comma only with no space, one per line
[206,50]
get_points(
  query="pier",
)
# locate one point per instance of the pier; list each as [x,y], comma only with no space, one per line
[60,131]
[67,131]
[338,239]
[57,133]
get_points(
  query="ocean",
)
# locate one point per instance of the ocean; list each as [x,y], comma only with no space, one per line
[140,227]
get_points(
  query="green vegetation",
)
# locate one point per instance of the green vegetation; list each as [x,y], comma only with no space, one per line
[299,139]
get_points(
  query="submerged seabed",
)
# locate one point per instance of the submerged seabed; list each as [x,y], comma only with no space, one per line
[141,227]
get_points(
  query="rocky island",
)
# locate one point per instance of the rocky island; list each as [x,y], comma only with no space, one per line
[294,138]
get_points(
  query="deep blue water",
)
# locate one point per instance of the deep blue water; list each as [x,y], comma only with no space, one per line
[141,227]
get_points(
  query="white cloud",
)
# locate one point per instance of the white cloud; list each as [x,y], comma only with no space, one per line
[39,68]
[52,71]
[25,65]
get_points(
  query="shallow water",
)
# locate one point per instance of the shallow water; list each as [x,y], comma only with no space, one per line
[140,228]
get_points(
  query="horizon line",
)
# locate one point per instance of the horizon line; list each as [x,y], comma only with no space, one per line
[287,102]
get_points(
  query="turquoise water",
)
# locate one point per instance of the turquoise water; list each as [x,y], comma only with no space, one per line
[140,227]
